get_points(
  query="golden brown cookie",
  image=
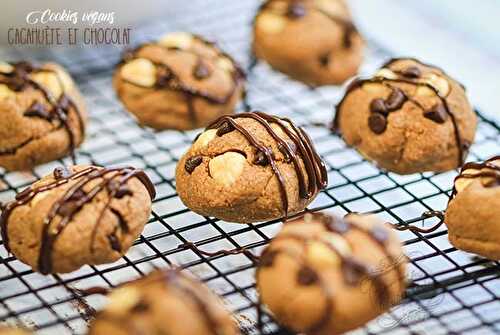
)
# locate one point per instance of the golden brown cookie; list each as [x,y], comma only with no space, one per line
[76,216]
[164,302]
[410,117]
[179,82]
[473,214]
[326,275]
[313,41]
[13,331]
[43,114]
[250,167]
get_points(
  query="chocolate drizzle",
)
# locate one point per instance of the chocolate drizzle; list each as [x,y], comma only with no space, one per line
[487,169]
[167,78]
[302,149]
[71,202]
[438,113]
[19,79]
[353,269]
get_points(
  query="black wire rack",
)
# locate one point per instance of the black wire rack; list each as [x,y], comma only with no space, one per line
[450,291]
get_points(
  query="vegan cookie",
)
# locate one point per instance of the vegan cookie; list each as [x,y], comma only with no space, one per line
[76,216]
[326,275]
[164,302]
[179,82]
[472,215]
[250,167]
[43,114]
[313,41]
[410,117]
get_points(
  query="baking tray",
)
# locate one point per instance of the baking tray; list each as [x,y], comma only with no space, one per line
[450,291]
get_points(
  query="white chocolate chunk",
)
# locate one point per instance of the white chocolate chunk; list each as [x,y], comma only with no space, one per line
[225,64]
[178,39]
[139,71]
[227,168]
[386,73]
[122,299]
[270,23]
[204,139]
[462,183]
[438,82]
[6,67]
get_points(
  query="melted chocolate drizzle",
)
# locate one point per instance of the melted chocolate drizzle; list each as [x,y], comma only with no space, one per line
[168,79]
[486,169]
[302,149]
[438,113]
[71,202]
[353,269]
[19,79]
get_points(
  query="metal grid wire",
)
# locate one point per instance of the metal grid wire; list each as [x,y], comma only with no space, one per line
[451,291]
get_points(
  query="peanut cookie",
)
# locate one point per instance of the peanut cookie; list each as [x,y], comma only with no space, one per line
[410,117]
[250,167]
[164,302]
[326,275]
[179,82]
[76,216]
[313,41]
[43,115]
[472,216]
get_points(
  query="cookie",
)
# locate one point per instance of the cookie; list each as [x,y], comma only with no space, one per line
[250,167]
[313,41]
[43,115]
[76,216]
[13,331]
[409,117]
[179,82]
[326,275]
[164,302]
[473,212]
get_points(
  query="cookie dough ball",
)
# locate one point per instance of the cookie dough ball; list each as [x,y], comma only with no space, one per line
[43,114]
[410,117]
[473,213]
[164,302]
[250,167]
[313,41]
[179,82]
[76,216]
[326,275]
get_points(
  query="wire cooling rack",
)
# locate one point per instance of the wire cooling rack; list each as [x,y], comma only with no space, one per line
[450,291]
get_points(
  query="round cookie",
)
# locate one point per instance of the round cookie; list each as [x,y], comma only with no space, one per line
[43,114]
[179,82]
[313,41]
[250,167]
[164,302]
[76,216]
[410,117]
[326,275]
[473,213]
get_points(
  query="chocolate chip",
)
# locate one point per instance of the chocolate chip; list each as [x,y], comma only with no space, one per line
[377,123]
[307,276]
[225,128]
[395,100]
[24,66]
[267,258]
[192,163]
[437,113]
[324,60]
[38,109]
[201,71]
[411,72]
[378,106]
[260,159]
[296,10]
[163,76]
[114,242]
[61,172]
[140,307]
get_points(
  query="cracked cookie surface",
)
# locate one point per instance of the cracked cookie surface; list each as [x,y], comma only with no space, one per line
[326,275]
[409,117]
[76,216]
[473,215]
[43,112]
[250,167]
[178,82]
[313,41]
[164,302]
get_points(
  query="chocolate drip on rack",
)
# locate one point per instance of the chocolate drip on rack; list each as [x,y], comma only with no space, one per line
[302,149]
[353,269]
[222,252]
[168,79]
[425,215]
[438,113]
[71,202]
[19,79]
